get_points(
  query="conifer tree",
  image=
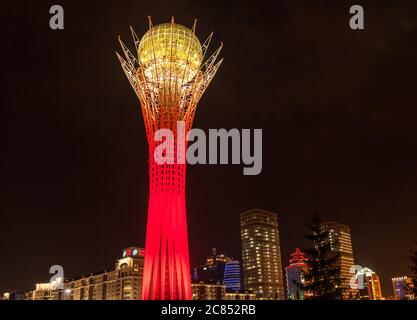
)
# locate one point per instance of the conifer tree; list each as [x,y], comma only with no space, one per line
[323,277]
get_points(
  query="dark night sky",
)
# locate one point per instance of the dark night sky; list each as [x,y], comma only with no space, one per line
[338,110]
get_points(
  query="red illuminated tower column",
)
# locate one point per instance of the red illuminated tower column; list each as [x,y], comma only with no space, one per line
[166,269]
[169,77]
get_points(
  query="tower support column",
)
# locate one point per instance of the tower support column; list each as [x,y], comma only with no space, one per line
[167,264]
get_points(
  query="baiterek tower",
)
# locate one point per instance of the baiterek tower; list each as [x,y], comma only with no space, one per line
[169,75]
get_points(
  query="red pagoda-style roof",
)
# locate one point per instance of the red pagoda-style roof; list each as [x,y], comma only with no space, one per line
[298,260]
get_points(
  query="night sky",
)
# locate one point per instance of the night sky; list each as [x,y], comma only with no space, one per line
[338,110]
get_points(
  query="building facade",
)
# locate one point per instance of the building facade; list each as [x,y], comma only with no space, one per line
[205,291]
[261,254]
[403,288]
[243,296]
[232,276]
[212,271]
[219,269]
[43,291]
[122,283]
[369,285]
[295,275]
[340,240]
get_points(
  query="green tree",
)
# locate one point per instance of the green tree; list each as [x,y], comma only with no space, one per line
[323,277]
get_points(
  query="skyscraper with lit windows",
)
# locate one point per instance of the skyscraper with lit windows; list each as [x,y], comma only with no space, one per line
[340,240]
[261,254]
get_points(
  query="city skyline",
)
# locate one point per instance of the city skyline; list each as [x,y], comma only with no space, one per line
[76,288]
[336,106]
[138,252]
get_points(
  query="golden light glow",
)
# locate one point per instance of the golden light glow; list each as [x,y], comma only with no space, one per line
[170,51]
[169,78]
[170,73]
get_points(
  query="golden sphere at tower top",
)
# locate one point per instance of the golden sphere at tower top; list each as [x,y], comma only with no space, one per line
[170,48]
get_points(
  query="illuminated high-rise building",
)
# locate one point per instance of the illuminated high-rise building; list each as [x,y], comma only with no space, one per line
[219,269]
[295,275]
[232,276]
[261,254]
[340,240]
[371,285]
[403,288]
[169,77]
